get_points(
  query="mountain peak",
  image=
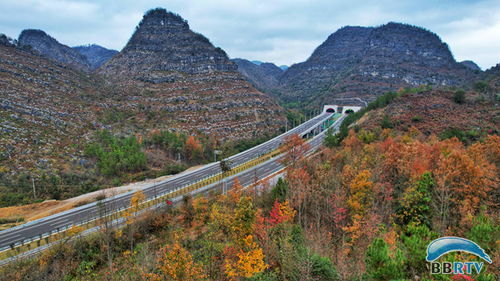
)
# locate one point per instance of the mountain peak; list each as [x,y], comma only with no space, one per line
[162,17]
[360,61]
[46,45]
[33,32]
[471,65]
[162,47]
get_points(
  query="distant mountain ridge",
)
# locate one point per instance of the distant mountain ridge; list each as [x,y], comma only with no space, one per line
[264,76]
[39,41]
[471,65]
[96,55]
[365,61]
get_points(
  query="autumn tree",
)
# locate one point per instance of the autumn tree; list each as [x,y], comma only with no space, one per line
[243,219]
[415,202]
[249,260]
[281,212]
[236,191]
[193,148]
[131,213]
[462,182]
[359,202]
[176,263]
[300,187]
[295,148]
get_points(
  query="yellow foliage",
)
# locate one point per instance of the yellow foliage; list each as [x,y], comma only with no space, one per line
[287,212]
[360,189]
[176,263]
[135,202]
[136,199]
[74,230]
[249,262]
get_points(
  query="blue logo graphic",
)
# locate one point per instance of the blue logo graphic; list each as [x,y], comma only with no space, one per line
[445,245]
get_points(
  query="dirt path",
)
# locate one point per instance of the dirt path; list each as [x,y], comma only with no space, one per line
[39,210]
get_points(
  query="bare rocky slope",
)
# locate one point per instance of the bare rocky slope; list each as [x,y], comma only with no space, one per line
[367,61]
[166,78]
[186,76]
[46,110]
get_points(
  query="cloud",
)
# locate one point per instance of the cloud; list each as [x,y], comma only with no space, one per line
[281,31]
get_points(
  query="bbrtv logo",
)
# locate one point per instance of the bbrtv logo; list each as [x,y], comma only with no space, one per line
[444,245]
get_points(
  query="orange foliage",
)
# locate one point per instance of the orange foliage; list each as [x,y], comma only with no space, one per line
[295,147]
[135,201]
[236,190]
[467,178]
[193,147]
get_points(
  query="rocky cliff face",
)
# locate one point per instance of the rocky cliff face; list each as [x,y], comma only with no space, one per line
[42,43]
[191,79]
[366,61]
[95,54]
[263,76]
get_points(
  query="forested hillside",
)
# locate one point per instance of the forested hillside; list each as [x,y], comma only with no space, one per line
[365,210]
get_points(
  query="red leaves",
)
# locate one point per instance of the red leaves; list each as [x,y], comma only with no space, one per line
[461,277]
[281,212]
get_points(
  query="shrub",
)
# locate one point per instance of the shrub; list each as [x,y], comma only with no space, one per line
[174,169]
[116,155]
[386,122]
[459,97]
[366,136]
[264,276]
[481,86]
[453,132]
[11,220]
[332,140]
[416,118]
[323,269]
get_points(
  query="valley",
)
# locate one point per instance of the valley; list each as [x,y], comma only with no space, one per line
[170,158]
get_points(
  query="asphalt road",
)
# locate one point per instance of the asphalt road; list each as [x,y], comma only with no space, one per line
[271,166]
[51,224]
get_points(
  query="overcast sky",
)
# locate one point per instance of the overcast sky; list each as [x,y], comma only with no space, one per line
[279,31]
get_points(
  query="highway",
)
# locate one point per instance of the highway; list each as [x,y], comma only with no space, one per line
[45,226]
[270,167]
